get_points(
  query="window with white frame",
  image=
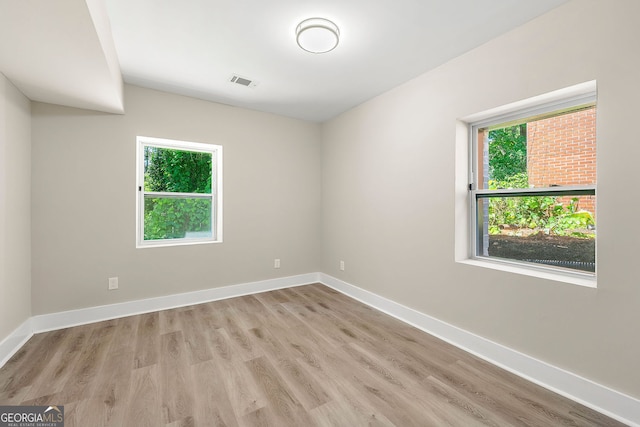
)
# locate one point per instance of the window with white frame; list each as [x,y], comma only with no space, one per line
[533,188]
[179,192]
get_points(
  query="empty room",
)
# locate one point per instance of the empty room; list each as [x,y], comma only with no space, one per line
[319,213]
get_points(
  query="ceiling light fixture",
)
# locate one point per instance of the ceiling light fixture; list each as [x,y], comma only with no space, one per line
[317,35]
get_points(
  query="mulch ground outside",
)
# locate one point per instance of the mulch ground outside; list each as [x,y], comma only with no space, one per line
[542,246]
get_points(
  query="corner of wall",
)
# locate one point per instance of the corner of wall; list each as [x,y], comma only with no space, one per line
[15,208]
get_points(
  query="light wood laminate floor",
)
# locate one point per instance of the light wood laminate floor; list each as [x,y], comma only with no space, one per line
[303,356]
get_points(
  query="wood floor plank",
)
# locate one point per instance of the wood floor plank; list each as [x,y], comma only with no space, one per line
[35,361]
[212,406]
[380,326]
[340,412]
[347,380]
[144,409]
[184,422]
[530,399]
[211,314]
[240,338]
[12,370]
[248,313]
[168,321]
[316,360]
[341,389]
[82,379]
[268,299]
[195,336]
[309,391]
[458,406]
[282,401]
[484,393]
[244,394]
[395,405]
[108,403]
[272,315]
[304,356]
[55,374]
[43,400]
[14,396]
[147,340]
[71,418]
[444,401]
[263,417]
[286,318]
[337,332]
[176,382]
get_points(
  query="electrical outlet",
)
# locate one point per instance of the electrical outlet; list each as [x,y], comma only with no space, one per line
[276,263]
[113,283]
[341,265]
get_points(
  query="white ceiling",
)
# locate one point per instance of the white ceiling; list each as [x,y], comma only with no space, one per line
[193,47]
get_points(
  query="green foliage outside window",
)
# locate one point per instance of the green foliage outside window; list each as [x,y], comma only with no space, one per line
[508,152]
[508,169]
[546,213]
[176,171]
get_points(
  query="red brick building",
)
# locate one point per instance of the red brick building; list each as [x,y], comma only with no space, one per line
[561,151]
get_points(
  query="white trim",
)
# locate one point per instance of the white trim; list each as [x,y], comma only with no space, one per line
[66,319]
[610,402]
[175,144]
[178,195]
[215,195]
[582,92]
[12,343]
[587,280]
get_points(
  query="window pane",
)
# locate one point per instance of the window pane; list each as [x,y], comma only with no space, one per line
[549,151]
[176,171]
[561,150]
[503,157]
[177,218]
[551,230]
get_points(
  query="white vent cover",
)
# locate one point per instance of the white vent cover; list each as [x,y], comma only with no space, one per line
[242,81]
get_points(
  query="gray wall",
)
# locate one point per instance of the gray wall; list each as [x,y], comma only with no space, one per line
[15,198]
[84,200]
[390,193]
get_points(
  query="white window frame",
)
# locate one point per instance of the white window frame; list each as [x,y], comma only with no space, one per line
[216,190]
[543,106]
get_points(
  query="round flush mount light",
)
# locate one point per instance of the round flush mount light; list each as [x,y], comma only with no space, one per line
[317,35]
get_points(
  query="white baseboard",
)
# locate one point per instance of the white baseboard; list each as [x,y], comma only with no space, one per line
[614,404]
[619,406]
[11,344]
[65,319]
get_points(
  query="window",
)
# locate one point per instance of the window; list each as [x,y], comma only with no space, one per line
[533,190]
[179,192]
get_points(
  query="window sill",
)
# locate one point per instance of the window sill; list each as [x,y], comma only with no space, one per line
[181,242]
[579,279]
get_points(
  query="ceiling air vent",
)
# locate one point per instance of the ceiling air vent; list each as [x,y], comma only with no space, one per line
[243,81]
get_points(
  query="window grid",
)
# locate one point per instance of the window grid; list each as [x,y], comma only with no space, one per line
[144,195]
